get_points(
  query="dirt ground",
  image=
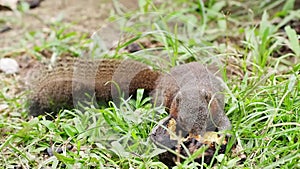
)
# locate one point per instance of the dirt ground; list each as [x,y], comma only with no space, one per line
[86,16]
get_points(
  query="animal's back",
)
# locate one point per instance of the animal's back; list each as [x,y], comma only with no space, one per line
[76,80]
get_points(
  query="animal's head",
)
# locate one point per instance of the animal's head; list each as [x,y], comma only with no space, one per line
[190,107]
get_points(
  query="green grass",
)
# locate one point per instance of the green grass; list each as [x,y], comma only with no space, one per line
[248,38]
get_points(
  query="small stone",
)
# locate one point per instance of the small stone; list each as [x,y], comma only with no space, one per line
[70,146]
[49,152]
[9,66]
[5,28]
[3,107]
[134,47]
[12,4]
[59,150]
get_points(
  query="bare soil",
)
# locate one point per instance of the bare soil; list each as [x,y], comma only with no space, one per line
[86,17]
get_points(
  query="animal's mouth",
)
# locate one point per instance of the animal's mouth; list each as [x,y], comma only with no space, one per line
[165,135]
[168,129]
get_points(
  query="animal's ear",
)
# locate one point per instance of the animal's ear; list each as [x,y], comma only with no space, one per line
[175,104]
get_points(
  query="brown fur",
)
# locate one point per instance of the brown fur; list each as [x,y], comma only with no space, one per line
[72,80]
[190,92]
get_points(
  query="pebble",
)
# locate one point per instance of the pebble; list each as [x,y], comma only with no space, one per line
[9,66]
[59,150]
[3,107]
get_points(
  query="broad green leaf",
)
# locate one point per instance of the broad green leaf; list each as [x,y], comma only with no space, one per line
[70,130]
[293,40]
[289,5]
[49,124]
[64,159]
[292,82]
[119,149]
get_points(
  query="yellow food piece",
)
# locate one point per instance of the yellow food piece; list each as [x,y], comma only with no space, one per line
[210,137]
[172,128]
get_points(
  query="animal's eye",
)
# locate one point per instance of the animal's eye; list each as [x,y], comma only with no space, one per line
[207,96]
[201,109]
